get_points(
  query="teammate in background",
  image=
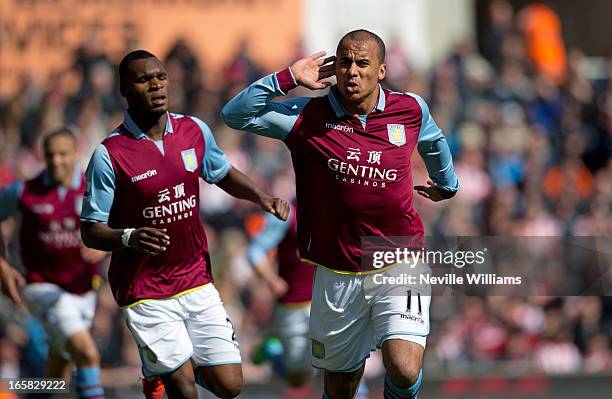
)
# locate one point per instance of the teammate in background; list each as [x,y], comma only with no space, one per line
[351,152]
[292,285]
[142,203]
[61,273]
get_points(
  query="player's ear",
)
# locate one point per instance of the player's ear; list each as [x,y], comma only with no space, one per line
[382,71]
[123,90]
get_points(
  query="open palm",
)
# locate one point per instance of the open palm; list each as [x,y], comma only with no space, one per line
[310,71]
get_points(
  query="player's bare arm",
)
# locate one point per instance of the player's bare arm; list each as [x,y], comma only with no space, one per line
[240,186]
[93,255]
[10,279]
[277,285]
[147,240]
[310,71]
[10,282]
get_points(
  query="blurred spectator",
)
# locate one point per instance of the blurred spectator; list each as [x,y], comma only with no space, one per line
[187,75]
[544,41]
[500,26]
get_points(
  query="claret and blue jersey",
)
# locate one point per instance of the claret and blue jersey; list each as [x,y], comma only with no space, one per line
[101,177]
[49,237]
[133,182]
[353,172]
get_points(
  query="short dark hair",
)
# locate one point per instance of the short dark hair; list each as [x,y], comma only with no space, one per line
[363,35]
[62,131]
[127,60]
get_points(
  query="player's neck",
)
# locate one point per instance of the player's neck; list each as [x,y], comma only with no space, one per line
[66,182]
[153,127]
[363,107]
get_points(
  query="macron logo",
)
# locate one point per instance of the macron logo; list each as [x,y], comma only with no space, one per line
[342,128]
[145,175]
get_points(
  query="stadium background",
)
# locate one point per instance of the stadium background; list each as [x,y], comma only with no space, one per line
[523,94]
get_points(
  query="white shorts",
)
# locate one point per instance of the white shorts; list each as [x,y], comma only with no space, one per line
[291,325]
[171,331]
[352,315]
[61,313]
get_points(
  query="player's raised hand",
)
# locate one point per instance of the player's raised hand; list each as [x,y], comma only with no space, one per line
[10,282]
[276,206]
[310,71]
[433,192]
[149,240]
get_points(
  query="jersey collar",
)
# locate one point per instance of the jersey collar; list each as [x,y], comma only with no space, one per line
[74,184]
[336,103]
[133,128]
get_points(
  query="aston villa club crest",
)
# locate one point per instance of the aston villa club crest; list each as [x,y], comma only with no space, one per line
[318,349]
[397,134]
[189,159]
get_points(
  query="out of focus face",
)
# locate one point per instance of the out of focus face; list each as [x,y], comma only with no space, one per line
[60,156]
[358,70]
[146,86]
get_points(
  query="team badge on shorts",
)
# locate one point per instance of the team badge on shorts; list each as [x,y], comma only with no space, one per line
[151,356]
[189,159]
[318,349]
[397,134]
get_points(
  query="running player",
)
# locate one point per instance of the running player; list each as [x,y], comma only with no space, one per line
[142,203]
[61,273]
[351,152]
[292,285]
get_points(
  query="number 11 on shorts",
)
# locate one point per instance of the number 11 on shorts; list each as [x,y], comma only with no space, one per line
[409,302]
